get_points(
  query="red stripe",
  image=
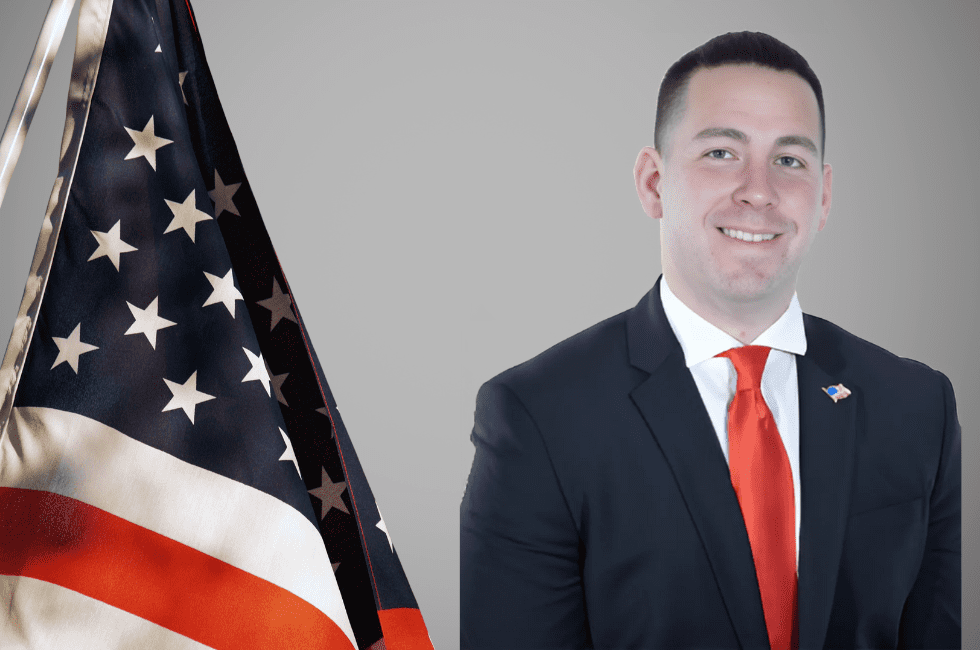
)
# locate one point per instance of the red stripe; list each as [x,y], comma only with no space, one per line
[77,546]
[404,629]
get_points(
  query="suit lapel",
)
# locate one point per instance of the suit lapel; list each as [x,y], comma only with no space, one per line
[672,408]
[827,439]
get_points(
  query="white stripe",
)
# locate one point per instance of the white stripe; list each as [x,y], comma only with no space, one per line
[80,458]
[45,615]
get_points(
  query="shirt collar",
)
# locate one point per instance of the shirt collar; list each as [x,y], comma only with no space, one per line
[700,340]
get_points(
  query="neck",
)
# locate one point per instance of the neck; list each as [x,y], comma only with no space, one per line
[743,319]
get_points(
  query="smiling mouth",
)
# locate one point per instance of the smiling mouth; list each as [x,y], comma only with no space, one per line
[748,236]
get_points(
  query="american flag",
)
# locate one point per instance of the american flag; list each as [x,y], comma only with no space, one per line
[837,392]
[173,469]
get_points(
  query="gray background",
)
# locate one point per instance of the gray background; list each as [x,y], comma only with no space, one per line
[449,187]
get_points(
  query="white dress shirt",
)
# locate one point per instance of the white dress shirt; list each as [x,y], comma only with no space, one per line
[716,377]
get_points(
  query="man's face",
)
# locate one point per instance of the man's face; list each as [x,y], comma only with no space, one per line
[741,165]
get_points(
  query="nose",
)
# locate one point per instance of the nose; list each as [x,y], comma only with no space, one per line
[756,190]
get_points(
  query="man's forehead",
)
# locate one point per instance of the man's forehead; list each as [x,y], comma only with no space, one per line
[754,91]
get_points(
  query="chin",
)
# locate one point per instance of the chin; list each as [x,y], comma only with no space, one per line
[741,280]
[751,288]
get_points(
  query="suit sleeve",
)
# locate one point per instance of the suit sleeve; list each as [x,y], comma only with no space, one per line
[932,617]
[520,576]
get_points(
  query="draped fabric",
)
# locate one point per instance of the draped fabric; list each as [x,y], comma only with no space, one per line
[173,468]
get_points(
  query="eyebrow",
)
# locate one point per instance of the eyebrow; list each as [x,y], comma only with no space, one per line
[735,134]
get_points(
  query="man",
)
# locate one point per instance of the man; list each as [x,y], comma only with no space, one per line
[713,468]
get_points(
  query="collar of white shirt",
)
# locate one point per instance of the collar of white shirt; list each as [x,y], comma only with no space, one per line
[700,340]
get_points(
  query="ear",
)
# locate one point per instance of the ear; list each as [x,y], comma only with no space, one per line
[828,177]
[648,175]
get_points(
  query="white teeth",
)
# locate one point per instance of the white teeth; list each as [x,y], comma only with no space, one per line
[745,236]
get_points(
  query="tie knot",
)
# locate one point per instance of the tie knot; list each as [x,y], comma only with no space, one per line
[749,361]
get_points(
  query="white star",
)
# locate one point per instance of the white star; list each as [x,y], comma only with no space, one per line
[384,529]
[289,454]
[147,322]
[158,50]
[221,195]
[145,144]
[111,245]
[186,215]
[280,304]
[258,372]
[186,396]
[71,348]
[180,80]
[224,292]
[329,494]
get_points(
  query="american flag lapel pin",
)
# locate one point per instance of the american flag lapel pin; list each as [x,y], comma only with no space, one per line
[836,392]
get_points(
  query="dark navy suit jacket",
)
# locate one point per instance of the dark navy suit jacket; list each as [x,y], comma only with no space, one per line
[599,511]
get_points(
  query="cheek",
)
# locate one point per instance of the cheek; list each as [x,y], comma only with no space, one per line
[703,188]
[799,199]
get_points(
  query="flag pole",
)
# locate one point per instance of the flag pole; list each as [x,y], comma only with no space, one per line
[52,31]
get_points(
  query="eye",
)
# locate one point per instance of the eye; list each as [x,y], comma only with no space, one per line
[719,154]
[790,161]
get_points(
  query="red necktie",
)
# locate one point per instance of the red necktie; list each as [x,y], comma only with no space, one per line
[763,482]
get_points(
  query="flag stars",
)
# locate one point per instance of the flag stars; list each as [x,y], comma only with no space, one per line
[186,215]
[289,454]
[69,349]
[186,396]
[146,144]
[323,411]
[148,322]
[258,372]
[224,292]
[384,529]
[329,494]
[277,382]
[111,245]
[222,195]
[180,81]
[280,304]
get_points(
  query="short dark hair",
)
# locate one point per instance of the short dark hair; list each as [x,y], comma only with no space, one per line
[733,48]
